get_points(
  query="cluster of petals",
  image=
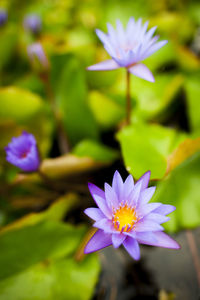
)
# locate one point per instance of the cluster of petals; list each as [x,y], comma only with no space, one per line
[128,47]
[125,216]
[22,152]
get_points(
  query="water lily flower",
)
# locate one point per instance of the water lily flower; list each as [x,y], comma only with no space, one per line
[3,16]
[125,216]
[33,23]
[38,57]
[22,152]
[128,47]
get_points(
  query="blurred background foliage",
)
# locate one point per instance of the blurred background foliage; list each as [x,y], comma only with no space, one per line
[41,251]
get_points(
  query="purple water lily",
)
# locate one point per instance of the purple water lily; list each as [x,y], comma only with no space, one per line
[38,56]
[33,23]
[128,47]
[22,152]
[3,17]
[124,216]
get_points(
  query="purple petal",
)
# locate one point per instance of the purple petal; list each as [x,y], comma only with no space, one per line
[140,70]
[105,225]
[95,190]
[147,225]
[111,196]
[159,239]
[164,209]
[117,184]
[94,213]
[112,34]
[101,203]
[120,32]
[118,239]
[146,195]
[135,194]
[157,218]
[106,65]
[154,48]
[132,247]
[146,209]
[150,34]
[128,186]
[145,179]
[99,240]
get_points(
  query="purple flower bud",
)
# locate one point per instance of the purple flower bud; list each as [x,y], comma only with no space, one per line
[33,23]
[22,152]
[38,57]
[3,17]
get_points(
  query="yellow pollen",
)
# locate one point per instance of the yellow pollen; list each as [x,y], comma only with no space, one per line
[124,218]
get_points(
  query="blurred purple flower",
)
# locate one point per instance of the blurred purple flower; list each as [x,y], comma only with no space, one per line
[22,152]
[37,56]
[3,17]
[33,23]
[128,47]
[124,216]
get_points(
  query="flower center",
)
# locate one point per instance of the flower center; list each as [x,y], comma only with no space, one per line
[124,218]
[24,154]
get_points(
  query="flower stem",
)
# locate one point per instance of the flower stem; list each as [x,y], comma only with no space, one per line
[194,252]
[62,137]
[128,99]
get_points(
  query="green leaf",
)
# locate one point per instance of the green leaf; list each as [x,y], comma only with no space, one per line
[27,246]
[168,22]
[181,188]
[18,104]
[112,111]
[71,94]
[8,44]
[193,93]
[63,279]
[56,212]
[161,58]
[95,150]
[154,99]
[146,147]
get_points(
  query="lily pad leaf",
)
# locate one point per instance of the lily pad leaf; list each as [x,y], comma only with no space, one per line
[24,247]
[97,151]
[60,279]
[69,83]
[181,189]
[146,147]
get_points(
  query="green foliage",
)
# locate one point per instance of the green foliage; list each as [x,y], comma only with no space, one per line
[181,188]
[146,147]
[71,95]
[193,92]
[45,268]
[112,111]
[96,151]
[18,104]
[62,279]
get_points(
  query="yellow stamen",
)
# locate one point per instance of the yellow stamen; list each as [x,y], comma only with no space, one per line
[124,218]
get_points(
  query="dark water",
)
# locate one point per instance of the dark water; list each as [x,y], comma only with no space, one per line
[159,269]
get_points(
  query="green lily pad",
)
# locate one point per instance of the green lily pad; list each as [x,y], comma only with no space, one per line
[181,188]
[193,93]
[27,246]
[112,111]
[146,147]
[69,83]
[61,279]
[97,151]
[19,104]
